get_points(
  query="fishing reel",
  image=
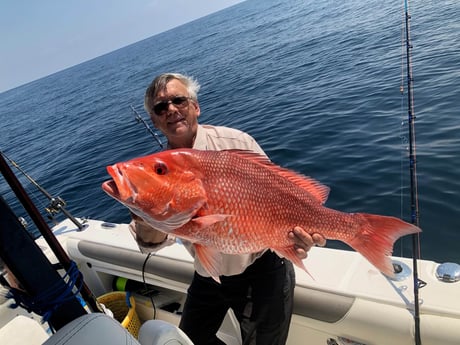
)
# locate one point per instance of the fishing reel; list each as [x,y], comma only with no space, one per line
[56,204]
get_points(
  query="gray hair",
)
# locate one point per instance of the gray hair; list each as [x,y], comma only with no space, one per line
[159,84]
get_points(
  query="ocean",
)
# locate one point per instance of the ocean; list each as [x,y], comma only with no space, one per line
[317,83]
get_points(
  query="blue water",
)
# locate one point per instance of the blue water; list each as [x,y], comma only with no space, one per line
[315,82]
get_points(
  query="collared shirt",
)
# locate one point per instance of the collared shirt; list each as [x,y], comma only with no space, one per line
[224,138]
[217,138]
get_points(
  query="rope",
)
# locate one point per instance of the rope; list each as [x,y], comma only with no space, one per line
[46,302]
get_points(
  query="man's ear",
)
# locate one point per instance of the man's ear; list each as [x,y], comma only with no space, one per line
[197,108]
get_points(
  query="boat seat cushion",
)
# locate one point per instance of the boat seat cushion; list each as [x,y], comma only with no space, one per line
[158,332]
[22,330]
[92,329]
[98,328]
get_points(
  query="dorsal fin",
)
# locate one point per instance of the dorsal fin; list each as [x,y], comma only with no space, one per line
[319,191]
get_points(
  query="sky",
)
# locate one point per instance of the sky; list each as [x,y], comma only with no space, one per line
[41,37]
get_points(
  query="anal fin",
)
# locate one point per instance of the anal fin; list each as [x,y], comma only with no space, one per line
[210,259]
[290,254]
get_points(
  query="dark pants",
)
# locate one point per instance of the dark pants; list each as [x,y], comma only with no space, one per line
[261,298]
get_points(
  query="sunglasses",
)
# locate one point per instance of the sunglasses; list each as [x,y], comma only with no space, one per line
[161,108]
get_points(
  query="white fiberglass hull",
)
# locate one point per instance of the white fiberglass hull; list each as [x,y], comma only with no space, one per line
[347,302]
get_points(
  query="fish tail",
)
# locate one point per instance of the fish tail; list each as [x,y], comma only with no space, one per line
[376,238]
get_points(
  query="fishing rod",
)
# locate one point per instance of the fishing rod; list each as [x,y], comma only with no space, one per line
[56,203]
[44,229]
[140,119]
[413,174]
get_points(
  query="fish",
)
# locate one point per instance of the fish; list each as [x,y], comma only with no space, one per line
[239,202]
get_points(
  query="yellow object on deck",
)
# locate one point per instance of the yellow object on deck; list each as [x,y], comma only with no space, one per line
[122,311]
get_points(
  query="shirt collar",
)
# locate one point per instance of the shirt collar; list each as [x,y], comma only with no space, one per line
[200,141]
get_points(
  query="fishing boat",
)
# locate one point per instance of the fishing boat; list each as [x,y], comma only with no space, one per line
[79,273]
[348,302]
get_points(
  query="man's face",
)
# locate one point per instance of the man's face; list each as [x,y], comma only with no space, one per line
[178,115]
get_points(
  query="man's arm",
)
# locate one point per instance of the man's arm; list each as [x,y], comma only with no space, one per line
[148,239]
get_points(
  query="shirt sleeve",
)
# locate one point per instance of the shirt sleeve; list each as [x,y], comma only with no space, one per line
[136,227]
[256,147]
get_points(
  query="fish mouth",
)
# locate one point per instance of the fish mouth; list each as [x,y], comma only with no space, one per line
[110,187]
[119,188]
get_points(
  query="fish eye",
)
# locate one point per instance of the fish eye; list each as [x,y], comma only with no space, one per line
[160,168]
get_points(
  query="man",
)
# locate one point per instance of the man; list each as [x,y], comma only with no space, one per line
[258,287]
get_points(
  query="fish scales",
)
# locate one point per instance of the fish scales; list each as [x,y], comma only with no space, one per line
[237,202]
[272,203]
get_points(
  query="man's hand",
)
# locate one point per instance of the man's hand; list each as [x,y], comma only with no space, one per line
[144,234]
[304,241]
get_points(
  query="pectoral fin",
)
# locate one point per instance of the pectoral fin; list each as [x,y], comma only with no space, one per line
[206,221]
